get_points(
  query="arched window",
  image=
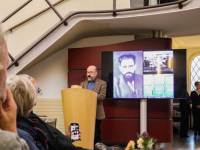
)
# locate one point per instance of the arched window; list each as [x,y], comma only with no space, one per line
[195,71]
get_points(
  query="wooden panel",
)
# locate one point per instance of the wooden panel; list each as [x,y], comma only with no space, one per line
[81,58]
[119,130]
[162,130]
[123,130]
[122,108]
[159,108]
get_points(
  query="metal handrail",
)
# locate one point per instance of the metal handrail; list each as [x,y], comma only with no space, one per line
[57,13]
[9,16]
[95,12]
[14,12]
[12,58]
[30,18]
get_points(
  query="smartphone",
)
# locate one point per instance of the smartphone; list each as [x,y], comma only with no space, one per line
[74,129]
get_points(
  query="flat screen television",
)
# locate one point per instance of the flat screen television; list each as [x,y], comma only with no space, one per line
[144,74]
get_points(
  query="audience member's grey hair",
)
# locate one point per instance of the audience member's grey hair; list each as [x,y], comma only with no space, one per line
[24,93]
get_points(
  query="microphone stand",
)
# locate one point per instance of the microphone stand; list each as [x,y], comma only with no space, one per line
[75,81]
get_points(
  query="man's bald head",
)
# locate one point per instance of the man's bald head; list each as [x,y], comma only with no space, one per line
[34,82]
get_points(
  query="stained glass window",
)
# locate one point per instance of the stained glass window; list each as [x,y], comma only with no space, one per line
[195,71]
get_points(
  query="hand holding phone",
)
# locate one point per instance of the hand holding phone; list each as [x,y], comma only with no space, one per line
[74,130]
[8,112]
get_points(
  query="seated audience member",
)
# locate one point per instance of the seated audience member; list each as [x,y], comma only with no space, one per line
[9,140]
[56,140]
[24,94]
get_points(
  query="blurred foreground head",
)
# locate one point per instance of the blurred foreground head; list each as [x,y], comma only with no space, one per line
[3,66]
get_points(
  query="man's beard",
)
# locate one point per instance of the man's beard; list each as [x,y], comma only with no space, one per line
[89,78]
[129,76]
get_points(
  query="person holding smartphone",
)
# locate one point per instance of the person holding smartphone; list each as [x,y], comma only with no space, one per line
[56,139]
[74,132]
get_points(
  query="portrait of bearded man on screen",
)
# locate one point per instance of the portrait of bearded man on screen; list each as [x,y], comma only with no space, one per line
[127,83]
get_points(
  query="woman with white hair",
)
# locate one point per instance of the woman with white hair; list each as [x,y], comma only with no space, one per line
[24,94]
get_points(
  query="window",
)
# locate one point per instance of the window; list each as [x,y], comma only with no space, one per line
[195,71]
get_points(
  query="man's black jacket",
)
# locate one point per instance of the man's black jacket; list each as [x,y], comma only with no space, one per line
[56,140]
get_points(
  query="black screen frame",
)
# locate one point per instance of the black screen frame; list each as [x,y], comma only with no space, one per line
[179,71]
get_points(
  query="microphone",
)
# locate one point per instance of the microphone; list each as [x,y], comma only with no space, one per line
[75,81]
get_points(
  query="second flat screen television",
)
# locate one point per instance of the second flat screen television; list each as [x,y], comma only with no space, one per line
[145,74]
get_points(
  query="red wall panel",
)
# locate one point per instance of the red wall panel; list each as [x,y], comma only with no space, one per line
[159,108]
[124,130]
[161,129]
[122,108]
[120,130]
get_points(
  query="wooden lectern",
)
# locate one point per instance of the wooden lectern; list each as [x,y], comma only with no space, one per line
[79,106]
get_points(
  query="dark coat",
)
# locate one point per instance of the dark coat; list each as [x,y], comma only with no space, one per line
[56,140]
[185,104]
[122,90]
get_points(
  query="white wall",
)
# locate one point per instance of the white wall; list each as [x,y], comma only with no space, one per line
[51,74]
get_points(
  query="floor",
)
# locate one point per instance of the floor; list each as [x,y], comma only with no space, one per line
[190,143]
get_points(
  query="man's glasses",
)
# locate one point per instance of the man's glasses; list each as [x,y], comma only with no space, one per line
[90,72]
[39,90]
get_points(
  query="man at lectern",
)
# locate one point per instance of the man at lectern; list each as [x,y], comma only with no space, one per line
[98,86]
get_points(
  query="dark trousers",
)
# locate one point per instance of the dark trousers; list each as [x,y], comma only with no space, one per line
[97,136]
[184,123]
[196,117]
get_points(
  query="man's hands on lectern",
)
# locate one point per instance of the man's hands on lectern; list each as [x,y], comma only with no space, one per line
[68,133]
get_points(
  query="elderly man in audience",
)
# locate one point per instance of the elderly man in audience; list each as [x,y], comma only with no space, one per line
[9,139]
[25,94]
[56,140]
